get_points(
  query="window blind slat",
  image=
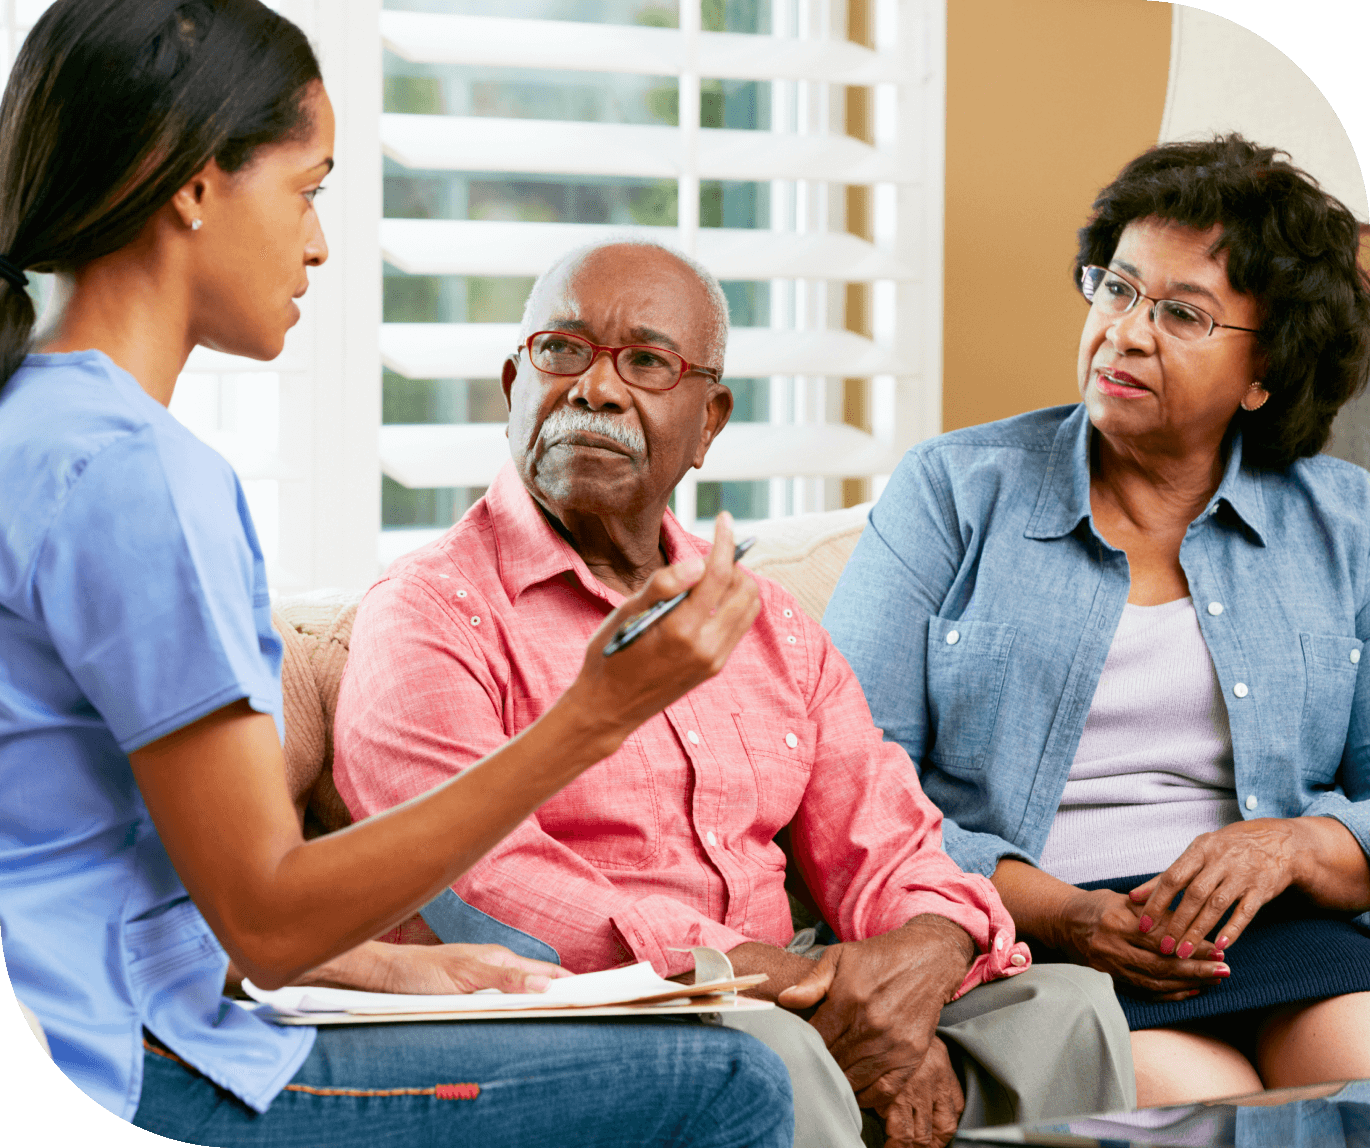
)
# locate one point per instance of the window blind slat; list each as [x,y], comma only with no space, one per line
[490,143]
[499,247]
[494,41]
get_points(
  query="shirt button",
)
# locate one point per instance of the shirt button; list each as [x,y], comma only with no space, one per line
[1017,960]
[694,737]
[791,740]
[789,613]
[474,620]
[953,636]
[460,593]
[442,575]
[710,838]
[999,941]
[1215,608]
[1355,656]
[791,639]
[1240,689]
[1252,801]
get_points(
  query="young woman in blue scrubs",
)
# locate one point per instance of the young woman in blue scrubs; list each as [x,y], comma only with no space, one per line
[163,156]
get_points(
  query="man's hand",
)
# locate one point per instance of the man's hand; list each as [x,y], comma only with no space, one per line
[782,969]
[880,1002]
[926,1111]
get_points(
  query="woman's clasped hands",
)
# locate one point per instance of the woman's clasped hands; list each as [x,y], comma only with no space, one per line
[1155,938]
[1235,870]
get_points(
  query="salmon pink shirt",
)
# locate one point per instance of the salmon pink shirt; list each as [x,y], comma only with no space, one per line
[669,843]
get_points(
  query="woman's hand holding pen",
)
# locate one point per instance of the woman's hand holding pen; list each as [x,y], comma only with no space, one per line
[686,647]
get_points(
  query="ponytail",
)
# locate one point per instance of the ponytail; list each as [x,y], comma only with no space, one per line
[16,318]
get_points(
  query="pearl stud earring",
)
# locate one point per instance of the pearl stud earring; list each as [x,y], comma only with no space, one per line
[196,224]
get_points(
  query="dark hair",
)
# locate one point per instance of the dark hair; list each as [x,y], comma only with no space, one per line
[113,106]
[1290,245]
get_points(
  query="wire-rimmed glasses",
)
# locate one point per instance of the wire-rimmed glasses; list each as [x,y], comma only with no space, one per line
[1111,293]
[639,365]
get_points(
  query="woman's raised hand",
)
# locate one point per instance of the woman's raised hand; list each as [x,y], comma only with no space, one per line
[683,649]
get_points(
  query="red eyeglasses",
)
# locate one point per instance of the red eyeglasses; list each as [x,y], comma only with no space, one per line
[647,367]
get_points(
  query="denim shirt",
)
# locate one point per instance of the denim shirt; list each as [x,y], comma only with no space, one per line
[980,604]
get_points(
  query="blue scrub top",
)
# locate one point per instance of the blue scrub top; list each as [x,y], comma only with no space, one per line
[133,601]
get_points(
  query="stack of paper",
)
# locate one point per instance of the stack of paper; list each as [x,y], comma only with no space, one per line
[614,992]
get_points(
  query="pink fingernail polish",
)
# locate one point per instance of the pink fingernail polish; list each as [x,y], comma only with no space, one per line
[1145,924]
[1168,945]
[1222,971]
[1194,992]
[1184,950]
[1222,943]
[1217,955]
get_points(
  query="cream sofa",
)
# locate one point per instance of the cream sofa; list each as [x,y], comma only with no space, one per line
[805,554]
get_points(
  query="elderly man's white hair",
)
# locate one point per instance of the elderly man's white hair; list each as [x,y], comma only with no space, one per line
[718,302]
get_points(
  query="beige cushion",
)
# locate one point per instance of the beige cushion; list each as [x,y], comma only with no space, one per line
[315,631]
[806,553]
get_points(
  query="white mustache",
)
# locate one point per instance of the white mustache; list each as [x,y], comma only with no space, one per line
[565,421]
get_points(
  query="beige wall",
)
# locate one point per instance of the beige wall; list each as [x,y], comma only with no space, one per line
[1028,146]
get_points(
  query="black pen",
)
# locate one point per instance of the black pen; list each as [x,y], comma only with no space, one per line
[634,628]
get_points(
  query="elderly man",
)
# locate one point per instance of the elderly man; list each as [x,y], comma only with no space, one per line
[614,394]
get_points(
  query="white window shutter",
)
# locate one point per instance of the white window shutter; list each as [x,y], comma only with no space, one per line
[805,158]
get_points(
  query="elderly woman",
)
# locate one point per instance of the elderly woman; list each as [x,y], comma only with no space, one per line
[1121,639]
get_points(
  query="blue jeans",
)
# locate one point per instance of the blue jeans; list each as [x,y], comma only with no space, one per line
[593,1084]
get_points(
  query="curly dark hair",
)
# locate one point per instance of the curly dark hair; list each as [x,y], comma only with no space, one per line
[1289,245]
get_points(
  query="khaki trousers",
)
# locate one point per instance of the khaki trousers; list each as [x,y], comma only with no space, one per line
[1049,1042]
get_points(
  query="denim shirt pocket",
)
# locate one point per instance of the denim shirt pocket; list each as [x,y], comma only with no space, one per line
[967,662]
[1330,664]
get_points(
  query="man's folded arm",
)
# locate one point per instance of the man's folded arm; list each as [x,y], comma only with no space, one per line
[868,841]
[420,702]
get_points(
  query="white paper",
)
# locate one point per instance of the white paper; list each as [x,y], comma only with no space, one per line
[611,986]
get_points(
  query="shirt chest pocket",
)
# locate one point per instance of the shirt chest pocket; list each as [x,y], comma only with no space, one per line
[771,741]
[967,662]
[609,815]
[1331,665]
[781,752]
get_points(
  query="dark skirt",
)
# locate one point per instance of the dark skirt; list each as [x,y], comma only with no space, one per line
[1291,951]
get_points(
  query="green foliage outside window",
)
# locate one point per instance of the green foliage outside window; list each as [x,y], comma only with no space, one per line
[743,500]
